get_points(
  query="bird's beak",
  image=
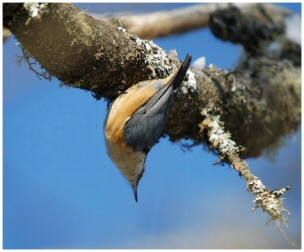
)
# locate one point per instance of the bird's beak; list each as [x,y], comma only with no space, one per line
[134,187]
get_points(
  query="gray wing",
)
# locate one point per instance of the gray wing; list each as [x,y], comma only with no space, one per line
[145,127]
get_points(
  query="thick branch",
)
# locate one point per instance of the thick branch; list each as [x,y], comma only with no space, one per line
[258,103]
[92,56]
[82,51]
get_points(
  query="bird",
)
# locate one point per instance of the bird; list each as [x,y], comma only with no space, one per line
[136,120]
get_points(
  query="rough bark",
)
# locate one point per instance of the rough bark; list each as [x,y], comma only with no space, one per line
[87,53]
[84,52]
[258,103]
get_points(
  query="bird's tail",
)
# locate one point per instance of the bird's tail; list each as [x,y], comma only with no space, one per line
[180,75]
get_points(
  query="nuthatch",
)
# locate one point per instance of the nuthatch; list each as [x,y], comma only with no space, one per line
[136,121]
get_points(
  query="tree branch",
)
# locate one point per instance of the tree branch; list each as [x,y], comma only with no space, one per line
[83,52]
[268,200]
[264,90]
[165,23]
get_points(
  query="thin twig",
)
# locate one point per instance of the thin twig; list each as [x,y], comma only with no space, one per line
[269,200]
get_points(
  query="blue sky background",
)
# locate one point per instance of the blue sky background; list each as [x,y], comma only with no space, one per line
[62,191]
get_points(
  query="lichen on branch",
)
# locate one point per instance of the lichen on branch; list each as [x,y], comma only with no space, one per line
[270,201]
[224,109]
